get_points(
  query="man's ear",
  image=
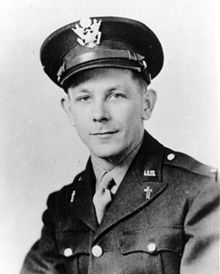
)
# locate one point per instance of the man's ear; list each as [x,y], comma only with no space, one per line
[65,102]
[150,98]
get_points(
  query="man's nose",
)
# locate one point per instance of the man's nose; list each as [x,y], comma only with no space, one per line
[100,112]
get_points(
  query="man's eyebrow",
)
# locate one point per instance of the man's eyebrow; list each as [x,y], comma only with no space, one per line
[83,90]
[107,90]
[74,93]
[115,88]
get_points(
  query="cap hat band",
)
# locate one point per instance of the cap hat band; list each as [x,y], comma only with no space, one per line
[103,58]
[117,63]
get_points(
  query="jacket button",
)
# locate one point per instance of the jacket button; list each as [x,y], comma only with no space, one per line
[151,247]
[68,252]
[97,251]
[171,156]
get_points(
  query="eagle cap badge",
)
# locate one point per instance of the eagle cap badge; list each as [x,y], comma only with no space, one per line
[88,32]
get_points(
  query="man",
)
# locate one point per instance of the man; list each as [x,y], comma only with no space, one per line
[138,207]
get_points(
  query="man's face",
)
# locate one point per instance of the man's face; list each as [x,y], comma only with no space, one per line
[107,111]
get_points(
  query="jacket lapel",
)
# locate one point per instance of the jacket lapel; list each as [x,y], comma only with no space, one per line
[142,184]
[83,202]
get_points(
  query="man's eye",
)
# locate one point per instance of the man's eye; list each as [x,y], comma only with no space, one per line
[85,98]
[117,96]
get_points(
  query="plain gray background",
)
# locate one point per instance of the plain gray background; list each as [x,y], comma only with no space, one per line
[40,152]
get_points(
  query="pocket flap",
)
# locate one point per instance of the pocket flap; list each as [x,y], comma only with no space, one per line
[72,243]
[151,240]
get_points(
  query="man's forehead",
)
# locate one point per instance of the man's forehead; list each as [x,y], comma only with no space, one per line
[94,74]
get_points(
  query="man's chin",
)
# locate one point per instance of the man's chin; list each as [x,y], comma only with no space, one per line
[106,153]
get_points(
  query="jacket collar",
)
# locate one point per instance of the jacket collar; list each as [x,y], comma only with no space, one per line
[142,184]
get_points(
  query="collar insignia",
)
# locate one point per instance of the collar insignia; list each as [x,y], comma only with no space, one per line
[72,196]
[148,192]
[150,173]
[88,32]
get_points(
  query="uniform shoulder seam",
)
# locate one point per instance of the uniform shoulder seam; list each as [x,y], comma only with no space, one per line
[188,163]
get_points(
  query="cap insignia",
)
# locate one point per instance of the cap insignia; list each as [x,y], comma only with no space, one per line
[88,32]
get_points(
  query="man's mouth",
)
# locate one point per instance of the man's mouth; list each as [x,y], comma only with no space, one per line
[104,133]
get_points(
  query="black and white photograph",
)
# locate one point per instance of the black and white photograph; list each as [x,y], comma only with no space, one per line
[109,137]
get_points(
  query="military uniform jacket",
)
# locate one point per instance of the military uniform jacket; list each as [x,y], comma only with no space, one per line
[163,219]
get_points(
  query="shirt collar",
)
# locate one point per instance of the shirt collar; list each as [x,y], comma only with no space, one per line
[118,171]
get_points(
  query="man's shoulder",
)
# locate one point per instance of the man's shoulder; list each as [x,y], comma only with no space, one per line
[188,165]
[175,162]
[66,193]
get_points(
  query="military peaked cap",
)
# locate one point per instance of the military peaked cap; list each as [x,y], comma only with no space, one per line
[98,42]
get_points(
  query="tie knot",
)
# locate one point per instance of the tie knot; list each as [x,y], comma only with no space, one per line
[107,182]
[103,196]
[110,184]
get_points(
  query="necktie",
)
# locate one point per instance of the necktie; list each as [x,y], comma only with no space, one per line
[103,197]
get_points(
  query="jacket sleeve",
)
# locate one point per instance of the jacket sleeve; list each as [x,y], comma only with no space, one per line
[201,227]
[43,256]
